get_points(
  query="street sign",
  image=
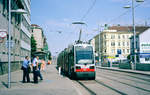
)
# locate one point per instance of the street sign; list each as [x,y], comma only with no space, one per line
[118,51]
[145,47]
[3,34]
[11,44]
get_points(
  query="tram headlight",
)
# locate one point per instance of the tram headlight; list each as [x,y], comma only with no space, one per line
[92,67]
[78,67]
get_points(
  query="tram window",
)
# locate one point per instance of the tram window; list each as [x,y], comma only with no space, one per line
[84,55]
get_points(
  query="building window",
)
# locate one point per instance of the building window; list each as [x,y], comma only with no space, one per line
[118,43]
[112,36]
[113,51]
[24,37]
[128,36]
[128,51]
[5,6]
[123,36]
[147,59]
[104,36]
[1,4]
[104,43]
[123,43]
[124,51]
[136,44]
[112,43]
[105,51]
[118,36]
[127,43]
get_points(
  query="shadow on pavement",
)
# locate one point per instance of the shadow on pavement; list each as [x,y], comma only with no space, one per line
[5,84]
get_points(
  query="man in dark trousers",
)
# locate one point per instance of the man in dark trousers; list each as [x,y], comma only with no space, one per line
[25,68]
[35,68]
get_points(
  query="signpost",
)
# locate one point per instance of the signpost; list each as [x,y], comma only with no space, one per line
[11,44]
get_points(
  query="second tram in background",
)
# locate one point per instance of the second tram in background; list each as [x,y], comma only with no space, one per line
[77,61]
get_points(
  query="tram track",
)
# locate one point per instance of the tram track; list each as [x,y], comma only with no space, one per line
[87,85]
[101,83]
[127,74]
[90,91]
[115,83]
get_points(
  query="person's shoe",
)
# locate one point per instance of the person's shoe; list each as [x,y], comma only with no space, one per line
[23,82]
[41,79]
[35,82]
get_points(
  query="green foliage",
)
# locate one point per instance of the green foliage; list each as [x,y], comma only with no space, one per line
[49,56]
[129,57]
[33,45]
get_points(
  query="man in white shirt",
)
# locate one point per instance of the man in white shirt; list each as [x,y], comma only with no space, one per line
[35,68]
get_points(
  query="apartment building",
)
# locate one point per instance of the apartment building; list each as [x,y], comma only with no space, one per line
[38,35]
[113,40]
[20,30]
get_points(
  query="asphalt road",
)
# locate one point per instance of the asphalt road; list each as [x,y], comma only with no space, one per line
[117,83]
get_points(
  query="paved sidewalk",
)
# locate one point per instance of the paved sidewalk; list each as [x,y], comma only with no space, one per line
[53,84]
[126,70]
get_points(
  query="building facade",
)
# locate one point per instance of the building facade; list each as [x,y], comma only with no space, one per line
[38,35]
[42,49]
[142,46]
[115,43]
[20,31]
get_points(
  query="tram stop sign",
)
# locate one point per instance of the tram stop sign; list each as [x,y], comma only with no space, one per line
[3,33]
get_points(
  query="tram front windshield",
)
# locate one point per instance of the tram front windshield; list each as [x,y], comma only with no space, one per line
[84,55]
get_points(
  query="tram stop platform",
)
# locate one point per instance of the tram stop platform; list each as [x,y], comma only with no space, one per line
[52,84]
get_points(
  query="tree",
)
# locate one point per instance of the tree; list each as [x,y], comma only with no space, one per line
[33,46]
[49,56]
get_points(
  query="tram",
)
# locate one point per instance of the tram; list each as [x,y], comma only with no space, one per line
[77,61]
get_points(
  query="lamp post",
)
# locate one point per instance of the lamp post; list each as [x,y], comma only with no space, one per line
[100,29]
[18,11]
[134,31]
[81,23]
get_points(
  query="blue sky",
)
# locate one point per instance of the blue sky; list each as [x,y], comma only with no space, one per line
[57,15]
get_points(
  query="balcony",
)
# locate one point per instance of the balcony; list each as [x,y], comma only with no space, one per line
[24,29]
[25,45]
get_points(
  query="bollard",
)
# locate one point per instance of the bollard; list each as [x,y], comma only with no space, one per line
[59,70]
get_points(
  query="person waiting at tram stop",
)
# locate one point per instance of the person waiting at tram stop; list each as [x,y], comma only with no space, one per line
[26,69]
[40,63]
[36,71]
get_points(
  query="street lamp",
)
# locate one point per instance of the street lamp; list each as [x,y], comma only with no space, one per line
[81,23]
[18,11]
[100,29]
[134,31]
